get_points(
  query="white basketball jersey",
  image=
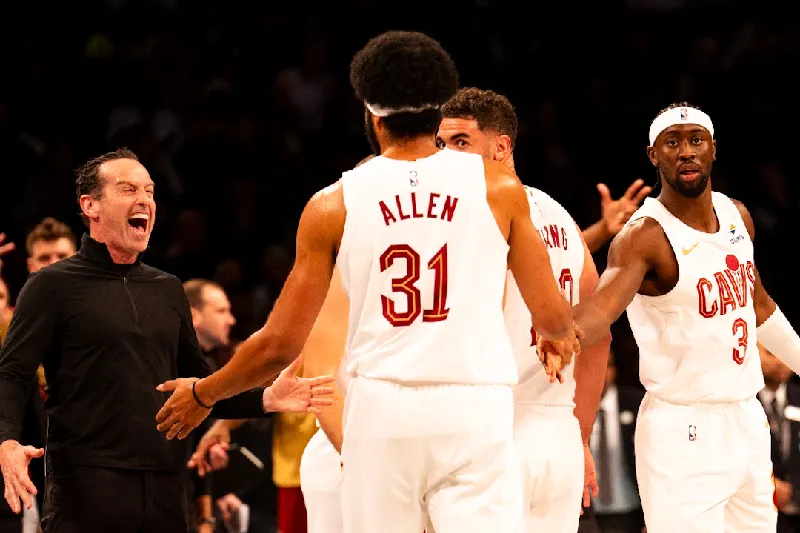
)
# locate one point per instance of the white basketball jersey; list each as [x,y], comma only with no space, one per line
[698,342]
[424,264]
[565,246]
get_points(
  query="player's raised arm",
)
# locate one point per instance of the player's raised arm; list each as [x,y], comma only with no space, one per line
[632,254]
[527,257]
[270,349]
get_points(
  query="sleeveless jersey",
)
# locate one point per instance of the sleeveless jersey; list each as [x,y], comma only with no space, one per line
[565,246]
[424,264]
[698,342]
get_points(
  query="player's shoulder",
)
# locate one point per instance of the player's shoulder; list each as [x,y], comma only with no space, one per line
[745,214]
[642,236]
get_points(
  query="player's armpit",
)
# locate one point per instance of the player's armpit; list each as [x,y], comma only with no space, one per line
[630,258]
[272,348]
[527,257]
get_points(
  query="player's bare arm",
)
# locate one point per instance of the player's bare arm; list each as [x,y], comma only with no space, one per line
[322,355]
[591,364]
[635,257]
[527,257]
[270,349]
[774,331]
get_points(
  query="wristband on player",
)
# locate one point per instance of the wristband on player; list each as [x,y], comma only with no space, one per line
[194,393]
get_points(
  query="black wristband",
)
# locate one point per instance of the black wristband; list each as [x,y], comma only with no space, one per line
[194,393]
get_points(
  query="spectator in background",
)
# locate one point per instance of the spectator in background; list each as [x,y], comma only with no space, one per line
[291,433]
[5,247]
[50,241]
[781,401]
[212,319]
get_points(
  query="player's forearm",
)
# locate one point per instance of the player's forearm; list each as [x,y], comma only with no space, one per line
[596,235]
[256,361]
[778,336]
[590,373]
[330,420]
[205,509]
[594,322]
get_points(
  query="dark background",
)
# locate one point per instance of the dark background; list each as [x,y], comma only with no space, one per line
[241,111]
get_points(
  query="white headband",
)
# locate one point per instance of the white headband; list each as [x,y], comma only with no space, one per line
[679,115]
[379,111]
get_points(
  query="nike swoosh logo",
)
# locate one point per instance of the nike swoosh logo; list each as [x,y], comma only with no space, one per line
[687,251]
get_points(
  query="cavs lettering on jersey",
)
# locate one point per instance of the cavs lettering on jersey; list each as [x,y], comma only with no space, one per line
[424,263]
[698,342]
[564,244]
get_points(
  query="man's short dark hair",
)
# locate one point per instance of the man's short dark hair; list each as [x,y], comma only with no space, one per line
[48,230]
[401,69]
[677,104]
[194,291]
[492,111]
[87,177]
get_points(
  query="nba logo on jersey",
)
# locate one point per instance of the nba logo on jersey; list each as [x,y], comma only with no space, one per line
[684,114]
[692,433]
[412,178]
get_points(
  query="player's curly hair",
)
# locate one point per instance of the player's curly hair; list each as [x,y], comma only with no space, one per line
[677,104]
[492,111]
[400,69]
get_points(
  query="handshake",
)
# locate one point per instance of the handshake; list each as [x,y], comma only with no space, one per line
[556,354]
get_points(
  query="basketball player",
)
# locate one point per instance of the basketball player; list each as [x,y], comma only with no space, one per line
[422,239]
[683,267]
[547,433]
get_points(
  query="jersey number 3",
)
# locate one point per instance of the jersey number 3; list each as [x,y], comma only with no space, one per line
[406,285]
[740,332]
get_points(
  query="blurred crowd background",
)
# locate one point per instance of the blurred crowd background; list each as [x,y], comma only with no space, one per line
[241,111]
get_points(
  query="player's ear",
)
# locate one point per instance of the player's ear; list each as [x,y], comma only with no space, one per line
[651,155]
[502,147]
[89,206]
[714,150]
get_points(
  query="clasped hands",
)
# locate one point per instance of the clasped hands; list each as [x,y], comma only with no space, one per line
[556,354]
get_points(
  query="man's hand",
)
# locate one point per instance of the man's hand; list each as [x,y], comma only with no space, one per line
[205,527]
[590,489]
[292,394]
[783,493]
[555,355]
[617,212]
[182,412]
[217,438]
[228,506]
[14,461]
[5,248]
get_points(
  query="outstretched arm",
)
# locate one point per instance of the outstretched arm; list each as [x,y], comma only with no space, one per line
[629,261]
[269,350]
[615,213]
[774,331]
[591,364]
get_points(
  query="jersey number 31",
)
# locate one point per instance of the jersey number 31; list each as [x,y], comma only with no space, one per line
[406,285]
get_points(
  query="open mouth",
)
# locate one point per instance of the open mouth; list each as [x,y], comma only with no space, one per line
[139,223]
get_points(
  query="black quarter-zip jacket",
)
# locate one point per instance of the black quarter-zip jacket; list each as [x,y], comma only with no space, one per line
[107,334]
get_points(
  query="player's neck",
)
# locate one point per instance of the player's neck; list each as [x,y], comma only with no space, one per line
[411,149]
[697,213]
